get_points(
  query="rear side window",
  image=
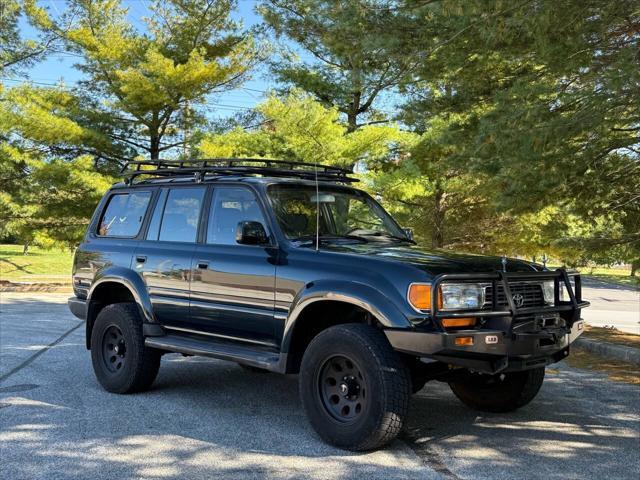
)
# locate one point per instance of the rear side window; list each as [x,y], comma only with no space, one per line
[124,214]
[181,215]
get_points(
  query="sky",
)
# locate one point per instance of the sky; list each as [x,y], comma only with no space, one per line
[59,67]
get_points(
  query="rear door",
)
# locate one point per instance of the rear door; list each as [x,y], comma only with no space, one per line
[233,285]
[163,258]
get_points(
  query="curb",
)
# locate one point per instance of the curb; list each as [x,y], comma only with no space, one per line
[610,350]
[35,287]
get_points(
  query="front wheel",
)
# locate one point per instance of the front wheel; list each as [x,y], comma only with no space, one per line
[354,387]
[498,393]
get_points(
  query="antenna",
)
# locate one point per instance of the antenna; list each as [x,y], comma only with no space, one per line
[317,206]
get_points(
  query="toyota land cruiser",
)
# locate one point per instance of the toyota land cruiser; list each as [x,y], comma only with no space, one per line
[284,267]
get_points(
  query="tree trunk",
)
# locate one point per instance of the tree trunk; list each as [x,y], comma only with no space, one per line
[437,234]
[635,265]
[355,104]
[25,248]
[154,137]
[352,121]
[154,147]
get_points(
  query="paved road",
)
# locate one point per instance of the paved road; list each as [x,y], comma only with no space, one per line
[612,305]
[210,419]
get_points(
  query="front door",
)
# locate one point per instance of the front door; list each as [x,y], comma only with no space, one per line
[232,287]
[163,259]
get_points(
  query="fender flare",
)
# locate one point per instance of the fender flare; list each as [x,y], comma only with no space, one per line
[130,280]
[355,293]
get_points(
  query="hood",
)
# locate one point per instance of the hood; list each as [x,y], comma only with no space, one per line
[433,261]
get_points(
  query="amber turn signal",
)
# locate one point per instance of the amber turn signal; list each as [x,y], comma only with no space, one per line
[458,322]
[464,341]
[420,296]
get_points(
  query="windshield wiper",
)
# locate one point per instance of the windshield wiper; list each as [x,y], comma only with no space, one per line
[312,238]
[389,235]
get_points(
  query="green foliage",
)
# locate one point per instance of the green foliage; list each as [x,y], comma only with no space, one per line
[345,65]
[539,99]
[52,203]
[16,52]
[149,83]
[297,127]
[519,127]
[59,147]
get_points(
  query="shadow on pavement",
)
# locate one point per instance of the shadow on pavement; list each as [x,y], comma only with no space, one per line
[577,427]
[211,419]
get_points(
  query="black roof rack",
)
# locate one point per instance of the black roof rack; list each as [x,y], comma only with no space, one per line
[234,166]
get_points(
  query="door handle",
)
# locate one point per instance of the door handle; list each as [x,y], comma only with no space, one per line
[203,265]
[141,258]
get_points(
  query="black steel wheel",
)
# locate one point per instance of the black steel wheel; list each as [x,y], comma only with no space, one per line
[121,361]
[342,388]
[114,349]
[354,387]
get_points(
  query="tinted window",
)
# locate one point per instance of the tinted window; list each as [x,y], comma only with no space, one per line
[231,206]
[124,214]
[181,214]
[154,226]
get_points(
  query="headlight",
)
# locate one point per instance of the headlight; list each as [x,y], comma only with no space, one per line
[451,296]
[456,296]
[547,292]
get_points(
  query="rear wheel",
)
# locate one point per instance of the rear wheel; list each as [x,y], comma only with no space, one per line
[498,393]
[120,359]
[354,387]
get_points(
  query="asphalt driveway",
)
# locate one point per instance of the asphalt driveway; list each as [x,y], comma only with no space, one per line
[210,419]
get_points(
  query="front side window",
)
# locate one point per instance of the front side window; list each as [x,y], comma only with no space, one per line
[124,214]
[230,206]
[343,213]
[181,214]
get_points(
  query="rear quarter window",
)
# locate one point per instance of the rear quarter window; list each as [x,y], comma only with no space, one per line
[124,214]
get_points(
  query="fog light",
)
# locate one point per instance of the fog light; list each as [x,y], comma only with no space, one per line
[458,322]
[462,341]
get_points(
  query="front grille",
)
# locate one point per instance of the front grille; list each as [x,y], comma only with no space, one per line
[531,293]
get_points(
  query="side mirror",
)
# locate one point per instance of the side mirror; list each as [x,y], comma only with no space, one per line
[408,232]
[251,233]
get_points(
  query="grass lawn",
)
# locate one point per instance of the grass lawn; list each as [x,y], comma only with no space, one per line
[39,265]
[617,275]
[620,276]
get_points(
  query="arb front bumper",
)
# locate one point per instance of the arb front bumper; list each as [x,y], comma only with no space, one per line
[507,338]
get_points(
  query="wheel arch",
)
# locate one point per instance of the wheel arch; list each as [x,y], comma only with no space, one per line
[318,308]
[117,285]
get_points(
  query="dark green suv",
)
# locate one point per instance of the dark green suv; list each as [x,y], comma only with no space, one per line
[284,267]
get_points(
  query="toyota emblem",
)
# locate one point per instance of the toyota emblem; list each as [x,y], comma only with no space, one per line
[518,299]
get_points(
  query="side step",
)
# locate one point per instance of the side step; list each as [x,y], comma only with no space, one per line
[224,350]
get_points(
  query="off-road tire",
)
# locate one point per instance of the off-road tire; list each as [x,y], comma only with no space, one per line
[140,364]
[385,381]
[490,394]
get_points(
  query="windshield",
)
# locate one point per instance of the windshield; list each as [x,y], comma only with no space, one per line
[344,213]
